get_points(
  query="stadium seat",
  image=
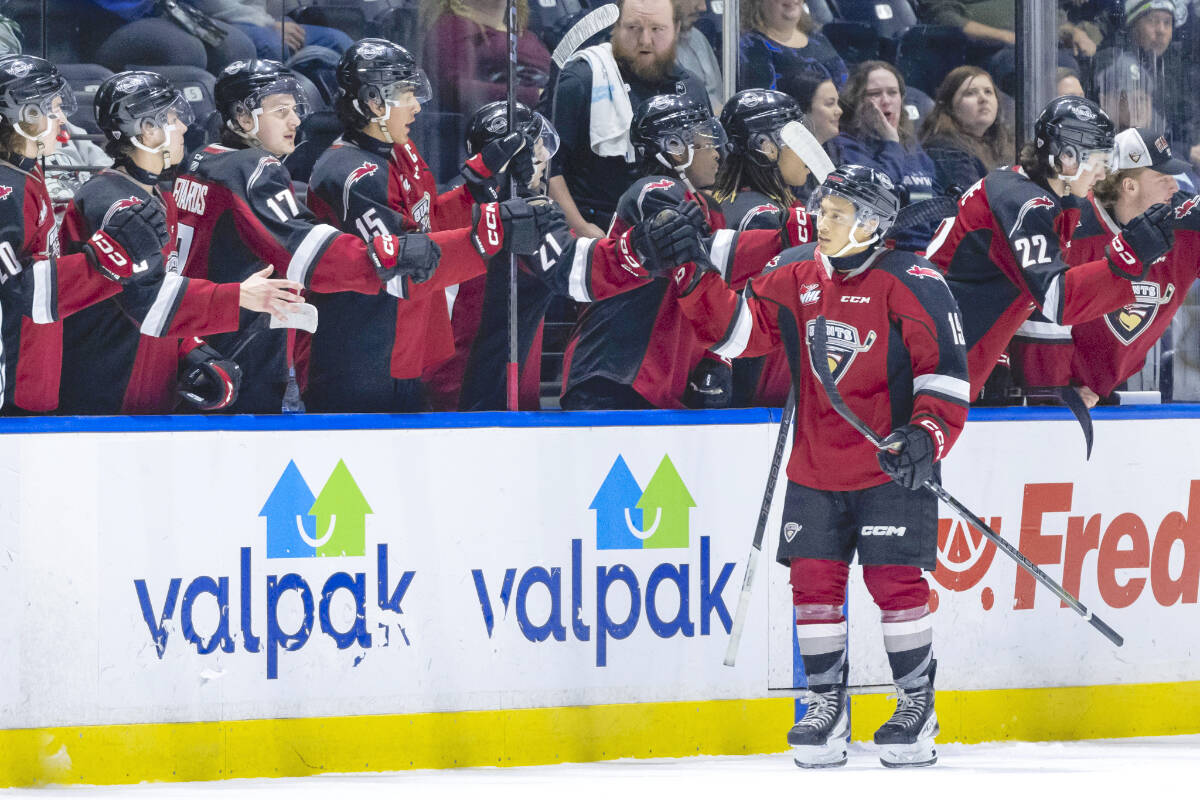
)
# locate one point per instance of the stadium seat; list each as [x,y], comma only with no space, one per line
[198,87]
[926,53]
[316,133]
[917,105]
[396,20]
[85,79]
[888,18]
[855,42]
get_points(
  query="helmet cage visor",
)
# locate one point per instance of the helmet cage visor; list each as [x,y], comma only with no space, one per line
[252,104]
[167,116]
[402,92]
[875,221]
[48,99]
[545,137]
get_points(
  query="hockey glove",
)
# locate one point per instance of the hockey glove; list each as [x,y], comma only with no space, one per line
[711,383]
[413,256]
[129,246]
[208,380]
[1144,240]
[517,225]
[906,456]
[510,156]
[669,239]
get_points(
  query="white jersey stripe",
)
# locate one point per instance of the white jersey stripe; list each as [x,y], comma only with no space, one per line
[300,267]
[944,385]
[577,279]
[719,251]
[43,291]
[739,336]
[157,321]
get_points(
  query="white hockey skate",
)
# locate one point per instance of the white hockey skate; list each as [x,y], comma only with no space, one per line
[818,740]
[906,740]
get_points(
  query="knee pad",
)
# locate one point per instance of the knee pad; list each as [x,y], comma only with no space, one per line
[819,581]
[897,589]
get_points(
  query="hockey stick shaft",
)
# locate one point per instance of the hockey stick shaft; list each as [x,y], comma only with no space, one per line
[764,511]
[820,358]
[513,373]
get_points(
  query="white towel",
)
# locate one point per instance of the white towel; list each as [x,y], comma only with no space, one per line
[611,113]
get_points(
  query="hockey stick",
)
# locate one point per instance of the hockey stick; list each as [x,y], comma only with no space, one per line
[513,374]
[820,362]
[764,511]
[587,27]
[935,209]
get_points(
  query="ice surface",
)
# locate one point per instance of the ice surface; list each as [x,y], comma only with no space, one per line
[1116,768]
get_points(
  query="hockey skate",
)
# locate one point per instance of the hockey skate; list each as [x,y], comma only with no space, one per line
[907,738]
[819,739]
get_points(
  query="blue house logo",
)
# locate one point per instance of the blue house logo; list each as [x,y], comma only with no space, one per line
[333,523]
[628,518]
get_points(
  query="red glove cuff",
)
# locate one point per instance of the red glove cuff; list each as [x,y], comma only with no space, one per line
[476,165]
[488,236]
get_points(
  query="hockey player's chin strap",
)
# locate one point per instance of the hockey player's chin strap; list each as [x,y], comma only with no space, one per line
[851,243]
[382,121]
[681,169]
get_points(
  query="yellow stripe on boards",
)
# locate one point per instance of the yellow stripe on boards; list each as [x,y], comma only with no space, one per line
[196,751]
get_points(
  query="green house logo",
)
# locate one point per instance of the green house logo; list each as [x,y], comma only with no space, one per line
[628,518]
[333,523]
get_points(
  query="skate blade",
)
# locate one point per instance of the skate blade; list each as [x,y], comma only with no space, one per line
[825,756]
[919,754]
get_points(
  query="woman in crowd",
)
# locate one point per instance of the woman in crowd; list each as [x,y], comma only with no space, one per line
[964,134]
[466,52]
[781,38]
[818,98]
[877,133]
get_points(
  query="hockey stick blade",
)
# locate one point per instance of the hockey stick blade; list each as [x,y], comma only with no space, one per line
[820,359]
[801,142]
[764,511]
[581,31]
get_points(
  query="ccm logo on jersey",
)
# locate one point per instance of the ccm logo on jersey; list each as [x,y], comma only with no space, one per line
[1182,211]
[190,195]
[849,298]
[883,530]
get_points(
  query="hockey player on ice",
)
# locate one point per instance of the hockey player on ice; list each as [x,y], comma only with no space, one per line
[238,214]
[896,351]
[1098,355]
[123,355]
[1003,254]
[38,285]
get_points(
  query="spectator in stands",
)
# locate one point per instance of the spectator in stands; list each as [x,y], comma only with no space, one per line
[877,133]
[695,54]
[1066,82]
[983,20]
[780,37]
[466,54]
[818,99]
[152,37]
[274,38]
[965,134]
[595,162]
[1126,92]
[10,36]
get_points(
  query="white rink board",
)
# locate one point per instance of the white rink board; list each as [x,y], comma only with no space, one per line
[448,503]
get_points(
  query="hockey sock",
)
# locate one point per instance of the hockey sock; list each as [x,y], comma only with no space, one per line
[908,640]
[821,638]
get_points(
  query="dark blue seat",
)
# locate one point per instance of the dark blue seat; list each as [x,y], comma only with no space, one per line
[926,53]
[888,18]
[85,79]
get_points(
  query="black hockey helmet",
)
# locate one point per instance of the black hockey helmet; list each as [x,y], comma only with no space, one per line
[1074,127]
[29,87]
[378,70]
[755,117]
[242,86]
[673,125]
[872,193]
[490,123]
[130,103]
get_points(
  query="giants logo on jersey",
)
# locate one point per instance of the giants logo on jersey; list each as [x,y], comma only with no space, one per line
[356,175]
[123,203]
[1130,322]
[420,213]
[1181,211]
[842,345]
[1042,201]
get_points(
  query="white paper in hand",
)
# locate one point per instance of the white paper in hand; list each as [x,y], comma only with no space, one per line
[300,315]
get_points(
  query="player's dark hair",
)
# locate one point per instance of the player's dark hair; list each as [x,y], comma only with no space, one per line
[738,172]
[1035,168]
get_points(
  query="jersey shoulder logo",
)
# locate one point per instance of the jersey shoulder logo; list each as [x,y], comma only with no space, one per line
[1041,201]
[842,344]
[120,205]
[917,271]
[1130,322]
[5,191]
[1185,208]
[356,175]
